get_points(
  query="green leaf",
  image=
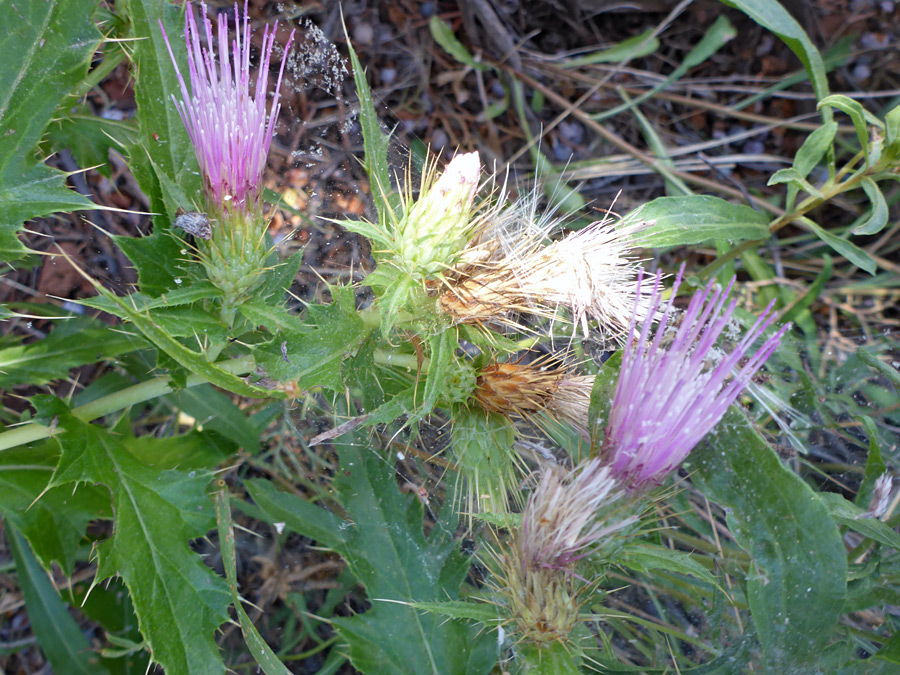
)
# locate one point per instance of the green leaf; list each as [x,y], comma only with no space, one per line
[483,612]
[298,515]
[814,148]
[58,634]
[696,219]
[644,556]
[878,217]
[850,251]
[375,144]
[875,465]
[90,137]
[849,514]
[164,155]
[715,37]
[556,658]
[71,343]
[443,35]
[215,411]
[141,302]
[162,134]
[772,16]
[313,359]
[858,115]
[262,653]
[388,552]
[195,362]
[47,48]
[53,520]
[793,177]
[631,48]
[179,601]
[797,582]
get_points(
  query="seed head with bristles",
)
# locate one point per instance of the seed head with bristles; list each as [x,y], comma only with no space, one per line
[509,267]
[559,526]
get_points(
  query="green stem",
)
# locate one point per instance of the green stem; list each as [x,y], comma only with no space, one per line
[828,192]
[144,391]
[408,361]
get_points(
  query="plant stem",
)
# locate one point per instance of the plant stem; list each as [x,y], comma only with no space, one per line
[143,391]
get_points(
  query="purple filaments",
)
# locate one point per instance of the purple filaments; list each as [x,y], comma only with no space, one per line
[670,396]
[229,128]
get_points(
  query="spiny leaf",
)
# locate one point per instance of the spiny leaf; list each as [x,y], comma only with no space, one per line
[179,602]
[46,47]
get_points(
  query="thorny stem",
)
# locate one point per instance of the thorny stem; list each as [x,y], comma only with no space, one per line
[144,391]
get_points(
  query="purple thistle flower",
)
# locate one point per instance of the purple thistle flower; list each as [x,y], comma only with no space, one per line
[670,396]
[230,130]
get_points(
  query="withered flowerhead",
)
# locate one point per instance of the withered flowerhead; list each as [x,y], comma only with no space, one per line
[510,268]
[525,390]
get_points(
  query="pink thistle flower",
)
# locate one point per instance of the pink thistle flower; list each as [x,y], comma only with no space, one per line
[229,128]
[670,396]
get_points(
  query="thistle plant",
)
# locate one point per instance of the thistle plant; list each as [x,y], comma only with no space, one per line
[231,132]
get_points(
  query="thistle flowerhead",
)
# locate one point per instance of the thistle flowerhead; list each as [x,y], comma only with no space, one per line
[509,268]
[437,225]
[567,516]
[670,395]
[229,128]
[231,133]
[527,390]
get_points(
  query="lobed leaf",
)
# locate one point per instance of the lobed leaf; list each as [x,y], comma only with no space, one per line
[179,601]
[47,47]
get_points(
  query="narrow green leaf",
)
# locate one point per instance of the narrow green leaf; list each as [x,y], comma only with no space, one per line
[298,515]
[262,653]
[849,514]
[644,556]
[460,609]
[878,217]
[375,144]
[443,35]
[858,115]
[47,48]
[179,601]
[850,251]
[797,583]
[791,176]
[814,148]
[631,48]
[772,16]
[59,636]
[142,303]
[875,465]
[715,37]
[195,362]
[696,219]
